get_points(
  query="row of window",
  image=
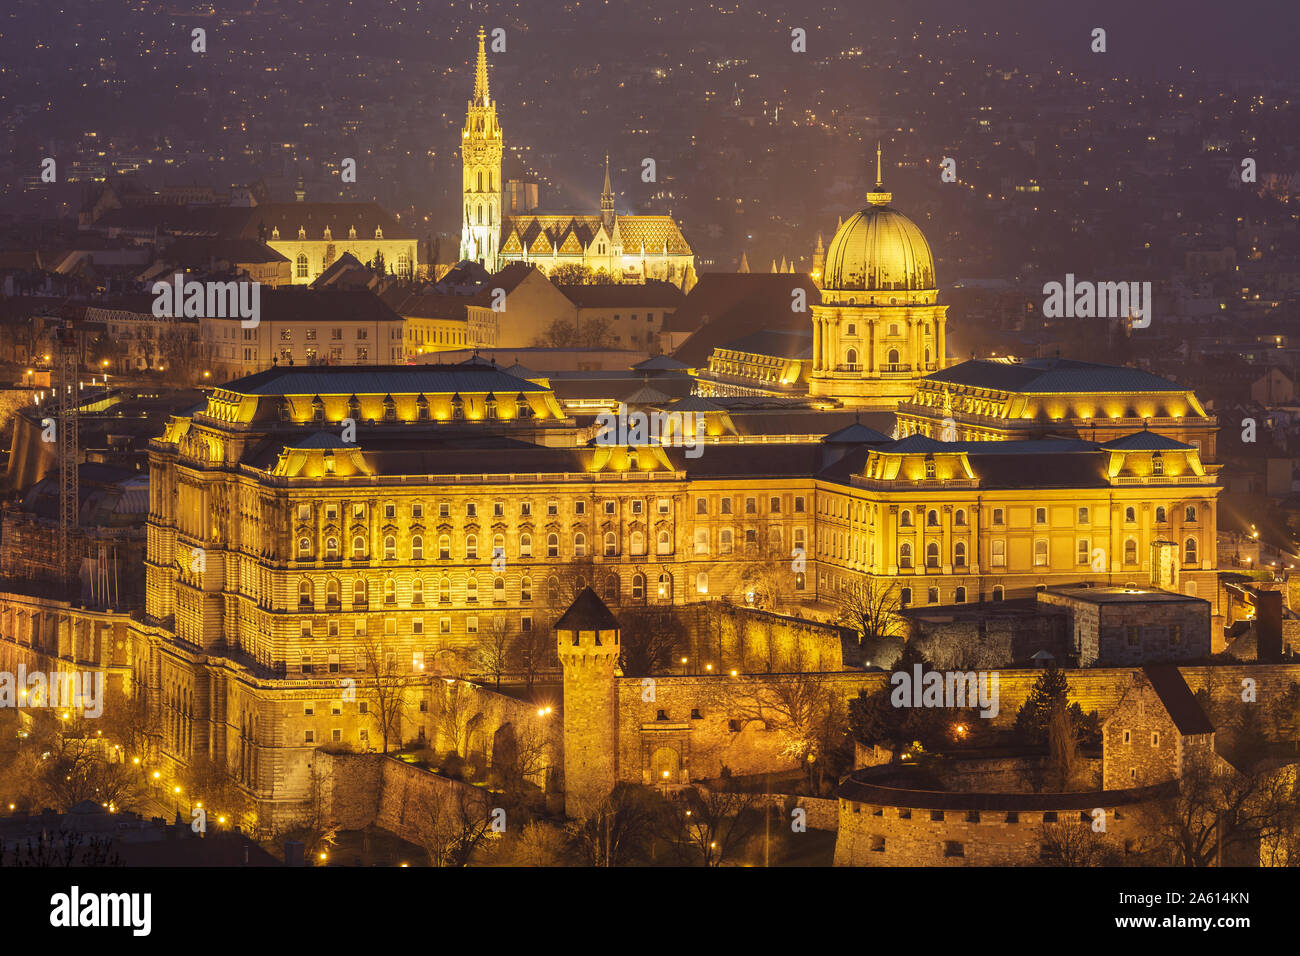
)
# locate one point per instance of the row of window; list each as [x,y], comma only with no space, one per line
[998,515]
[998,553]
[609,507]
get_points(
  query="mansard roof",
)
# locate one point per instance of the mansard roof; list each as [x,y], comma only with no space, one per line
[379,380]
[1052,375]
[1146,441]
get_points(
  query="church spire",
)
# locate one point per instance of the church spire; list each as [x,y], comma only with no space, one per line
[481,95]
[878,196]
[607,199]
[744,263]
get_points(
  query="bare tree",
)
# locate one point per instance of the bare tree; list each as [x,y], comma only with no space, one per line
[650,639]
[711,825]
[618,831]
[870,606]
[452,821]
[386,690]
[1216,809]
[456,713]
[1073,843]
[538,844]
[494,652]
[798,706]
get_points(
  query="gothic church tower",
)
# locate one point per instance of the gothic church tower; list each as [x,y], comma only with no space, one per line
[480,153]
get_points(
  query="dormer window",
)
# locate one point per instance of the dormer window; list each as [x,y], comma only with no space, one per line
[275,232]
[302,232]
[379,233]
[328,235]
[352,232]
[1157,464]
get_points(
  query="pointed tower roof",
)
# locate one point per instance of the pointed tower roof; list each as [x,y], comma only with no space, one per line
[744,263]
[878,196]
[773,265]
[481,94]
[607,191]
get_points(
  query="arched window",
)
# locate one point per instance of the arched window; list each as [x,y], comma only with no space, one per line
[1130,551]
[893,357]
[612,589]
[1161,515]
[471,590]
[302,265]
[471,546]
[553,590]
[904,555]
[998,592]
[390,548]
[1190,589]
[851,357]
[552,545]
[480,180]
[959,517]
[665,590]
[331,549]
[611,544]
[525,545]
[665,544]
[726,541]
[1189,551]
[579,545]
[932,554]
[959,554]
[1130,515]
[304,547]
[1040,553]
[638,542]
[932,518]
[417,591]
[444,591]
[390,592]
[525,589]
[702,582]
[480,214]
[358,548]
[638,587]
[499,590]
[417,548]
[905,519]
[332,593]
[444,547]
[358,592]
[498,546]
[904,596]
[1189,513]
[960,596]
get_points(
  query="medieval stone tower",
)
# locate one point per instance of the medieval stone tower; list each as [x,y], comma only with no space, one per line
[587,638]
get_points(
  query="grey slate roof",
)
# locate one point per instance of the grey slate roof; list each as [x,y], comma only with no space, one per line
[1146,441]
[1053,375]
[379,379]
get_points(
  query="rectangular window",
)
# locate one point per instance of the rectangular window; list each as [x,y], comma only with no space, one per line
[997,516]
[726,506]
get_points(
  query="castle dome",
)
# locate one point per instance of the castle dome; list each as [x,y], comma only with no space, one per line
[879,250]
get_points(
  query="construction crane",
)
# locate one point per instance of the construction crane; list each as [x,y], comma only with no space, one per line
[66,385]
